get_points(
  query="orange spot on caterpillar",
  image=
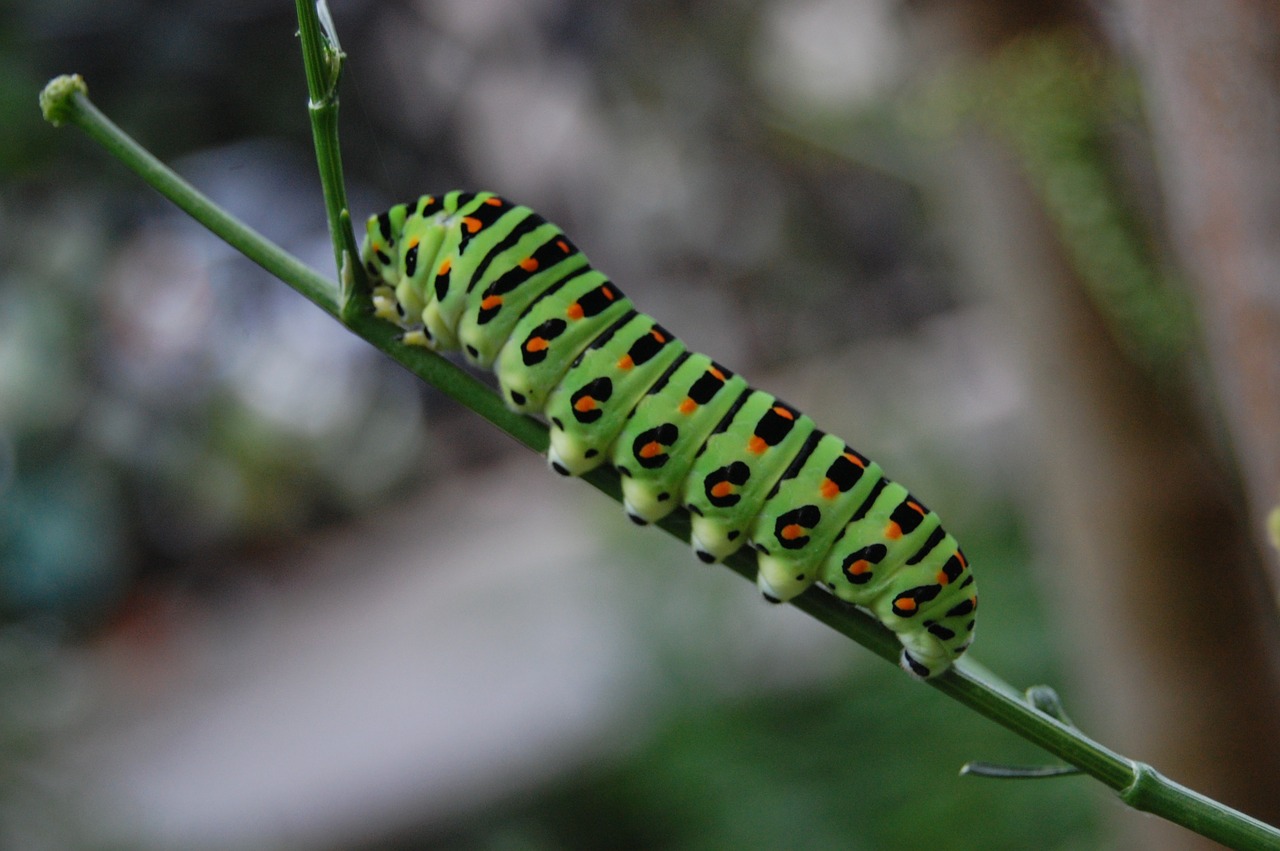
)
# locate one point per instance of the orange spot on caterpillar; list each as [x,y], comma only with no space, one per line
[445,266]
[829,489]
[893,531]
[609,292]
[529,264]
[859,567]
[495,201]
[413,242]
[562,245]
[964,562]
[942,578]
[906,604]
[471,223]
[688,406]
[793,531]
[536,344]
[625,362]
[849,456]
[756,444]
[586,403]
[721,489]
[916,507]
[658,335]
[574,311]
[783,412]
[490,302]
[652,449]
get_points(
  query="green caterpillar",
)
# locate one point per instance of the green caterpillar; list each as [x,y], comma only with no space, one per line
[473,271]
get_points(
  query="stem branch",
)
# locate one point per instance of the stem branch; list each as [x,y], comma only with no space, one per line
[323,58]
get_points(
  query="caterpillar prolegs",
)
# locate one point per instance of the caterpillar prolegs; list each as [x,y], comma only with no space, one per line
[473,271]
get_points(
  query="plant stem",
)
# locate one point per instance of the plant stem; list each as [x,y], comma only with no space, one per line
[65,99]
[323,59]
[967,682]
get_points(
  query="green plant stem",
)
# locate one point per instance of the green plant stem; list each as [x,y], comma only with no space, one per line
[1137,784]
[65,100]
[323,59]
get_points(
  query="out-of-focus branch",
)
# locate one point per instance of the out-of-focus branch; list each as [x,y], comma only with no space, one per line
[1213,97]
[1135,517]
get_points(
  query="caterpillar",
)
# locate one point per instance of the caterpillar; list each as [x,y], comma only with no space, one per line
[472,271]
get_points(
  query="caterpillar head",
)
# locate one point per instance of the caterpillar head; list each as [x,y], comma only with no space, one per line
[380,252]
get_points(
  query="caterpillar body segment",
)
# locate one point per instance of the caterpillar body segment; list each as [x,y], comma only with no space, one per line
[669,427]
[807,510]
[598,393]
[474,272]
[746,453]
[551,335]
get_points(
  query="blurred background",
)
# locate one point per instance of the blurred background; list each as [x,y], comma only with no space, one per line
[259,588]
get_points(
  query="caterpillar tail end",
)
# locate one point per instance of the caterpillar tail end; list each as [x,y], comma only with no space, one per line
[923,663]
